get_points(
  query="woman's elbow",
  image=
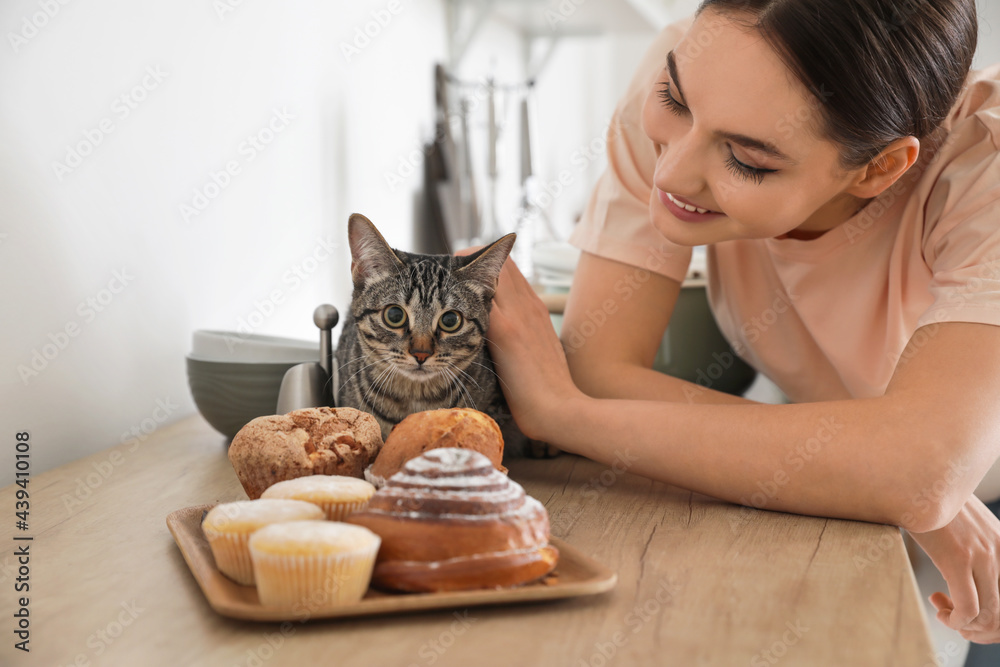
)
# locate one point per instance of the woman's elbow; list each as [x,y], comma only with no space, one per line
[935,496]
[584,371]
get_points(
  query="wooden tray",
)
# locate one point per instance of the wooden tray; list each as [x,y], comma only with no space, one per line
[575,575]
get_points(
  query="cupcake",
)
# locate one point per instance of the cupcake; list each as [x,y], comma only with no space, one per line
[337,495]
[312,565]
[228,527]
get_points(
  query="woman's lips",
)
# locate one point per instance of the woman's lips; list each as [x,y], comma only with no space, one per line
[681,209]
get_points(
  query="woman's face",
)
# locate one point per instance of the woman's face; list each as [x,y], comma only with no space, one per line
[737,135]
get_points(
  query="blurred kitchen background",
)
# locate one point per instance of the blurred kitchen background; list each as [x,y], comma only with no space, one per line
[174,166]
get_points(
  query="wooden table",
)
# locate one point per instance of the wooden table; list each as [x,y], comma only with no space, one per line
[701,582]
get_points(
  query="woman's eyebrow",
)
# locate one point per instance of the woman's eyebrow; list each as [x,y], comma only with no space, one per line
[672,68]
[765,147]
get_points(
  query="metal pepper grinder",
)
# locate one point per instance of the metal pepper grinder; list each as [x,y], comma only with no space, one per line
[312,384]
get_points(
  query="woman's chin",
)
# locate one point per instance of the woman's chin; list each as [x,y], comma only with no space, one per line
[678,232]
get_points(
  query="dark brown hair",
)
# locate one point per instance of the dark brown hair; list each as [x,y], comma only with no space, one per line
[881,69]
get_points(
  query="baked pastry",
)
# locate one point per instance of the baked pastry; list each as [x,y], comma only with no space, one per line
[313,441]
[422,431]
[312,565]
[228,527]
[336,495]
[451,521]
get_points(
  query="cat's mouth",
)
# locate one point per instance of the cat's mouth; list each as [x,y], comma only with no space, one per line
[420,372]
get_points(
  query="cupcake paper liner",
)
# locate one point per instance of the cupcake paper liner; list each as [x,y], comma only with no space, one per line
[313,582]
[232,555]
[338,511]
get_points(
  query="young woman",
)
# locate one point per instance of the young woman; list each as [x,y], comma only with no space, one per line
[842,165]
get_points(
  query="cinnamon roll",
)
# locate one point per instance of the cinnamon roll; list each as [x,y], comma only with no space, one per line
[451,521]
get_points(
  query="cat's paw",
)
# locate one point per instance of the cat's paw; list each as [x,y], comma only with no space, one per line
[536,449]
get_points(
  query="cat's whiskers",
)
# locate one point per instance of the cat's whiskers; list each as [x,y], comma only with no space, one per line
[456,368]
[351,361]
[487,339]
[491,370]
[379,360]
[452,386]
[462,387]
[382,387]
[375,385]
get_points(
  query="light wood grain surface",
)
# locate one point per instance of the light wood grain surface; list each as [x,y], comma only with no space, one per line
[700,582]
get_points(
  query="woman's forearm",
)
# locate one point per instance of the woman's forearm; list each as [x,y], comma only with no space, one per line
[853,459]
[630,381]
[911,457]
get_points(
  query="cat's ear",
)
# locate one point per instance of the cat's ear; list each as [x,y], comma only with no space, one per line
[483,267]
[371,256]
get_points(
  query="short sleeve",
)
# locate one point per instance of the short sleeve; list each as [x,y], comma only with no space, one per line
[616,223]
[961,241]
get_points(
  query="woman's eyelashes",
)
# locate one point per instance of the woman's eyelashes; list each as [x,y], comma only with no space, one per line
[739,169]
[667,97]
[745,171]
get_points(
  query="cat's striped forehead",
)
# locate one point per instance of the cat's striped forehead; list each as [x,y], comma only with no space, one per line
[428,279]
[427,282]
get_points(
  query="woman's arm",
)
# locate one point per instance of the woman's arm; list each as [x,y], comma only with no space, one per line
[909,458]
[613,326]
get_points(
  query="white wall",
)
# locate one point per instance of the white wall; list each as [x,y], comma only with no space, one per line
[989,33]
[221,77]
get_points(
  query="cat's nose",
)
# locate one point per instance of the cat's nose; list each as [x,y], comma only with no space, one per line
[421,348]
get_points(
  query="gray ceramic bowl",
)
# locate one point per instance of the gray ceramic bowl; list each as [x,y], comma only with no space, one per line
[230,394]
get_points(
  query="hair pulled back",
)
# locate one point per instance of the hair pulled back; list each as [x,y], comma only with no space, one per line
[881,69]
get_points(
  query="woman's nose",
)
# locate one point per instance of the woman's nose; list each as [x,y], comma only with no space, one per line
[680,165]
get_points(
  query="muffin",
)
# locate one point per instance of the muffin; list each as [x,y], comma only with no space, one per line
[464,428]
[228,527]
[313,441]
[312,565]
[336,495]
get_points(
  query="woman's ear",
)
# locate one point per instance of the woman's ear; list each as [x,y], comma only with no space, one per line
[886,168]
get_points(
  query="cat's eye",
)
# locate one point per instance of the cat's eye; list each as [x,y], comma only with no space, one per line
[450,321]
[394,316]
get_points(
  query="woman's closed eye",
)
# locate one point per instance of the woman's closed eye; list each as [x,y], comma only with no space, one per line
[740,169]
[745,171]
[667,97]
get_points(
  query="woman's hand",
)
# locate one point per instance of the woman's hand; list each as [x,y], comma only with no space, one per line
[967,552]
[527,353]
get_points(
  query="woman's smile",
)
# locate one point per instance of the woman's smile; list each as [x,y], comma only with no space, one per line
[684,209]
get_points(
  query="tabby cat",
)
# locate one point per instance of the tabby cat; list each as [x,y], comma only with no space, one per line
[415,336]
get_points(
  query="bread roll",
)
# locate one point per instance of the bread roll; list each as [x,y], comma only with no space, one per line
[313,441]
[450,521]
[464,428]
